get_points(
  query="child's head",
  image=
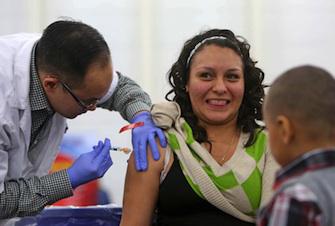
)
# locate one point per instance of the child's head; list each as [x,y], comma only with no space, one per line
[299,112]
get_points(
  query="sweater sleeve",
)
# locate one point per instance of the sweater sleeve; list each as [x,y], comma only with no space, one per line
[28,196]
[270,168]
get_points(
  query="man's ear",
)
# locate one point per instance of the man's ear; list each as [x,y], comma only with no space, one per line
[49,83]
[286,129]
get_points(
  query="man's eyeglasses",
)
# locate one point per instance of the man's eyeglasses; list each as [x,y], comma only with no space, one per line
[84,104]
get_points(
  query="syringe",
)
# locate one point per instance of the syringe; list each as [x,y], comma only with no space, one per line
[124,149]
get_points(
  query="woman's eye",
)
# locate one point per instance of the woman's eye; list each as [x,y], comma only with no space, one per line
[233,77]
[205,75]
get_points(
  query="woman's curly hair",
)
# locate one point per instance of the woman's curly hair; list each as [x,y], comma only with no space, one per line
[251,108]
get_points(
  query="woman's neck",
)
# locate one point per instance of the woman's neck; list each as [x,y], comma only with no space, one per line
[220,133]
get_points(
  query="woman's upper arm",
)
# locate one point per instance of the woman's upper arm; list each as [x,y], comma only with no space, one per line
[141,192]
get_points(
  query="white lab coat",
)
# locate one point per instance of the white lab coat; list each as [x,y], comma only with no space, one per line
[15,115]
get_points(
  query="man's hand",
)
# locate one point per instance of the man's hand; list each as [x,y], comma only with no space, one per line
[91,165]
[143,135]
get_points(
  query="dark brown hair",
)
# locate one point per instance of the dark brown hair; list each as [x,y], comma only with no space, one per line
[251,108]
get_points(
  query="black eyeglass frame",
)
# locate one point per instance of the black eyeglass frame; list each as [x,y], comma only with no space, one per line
[77,99]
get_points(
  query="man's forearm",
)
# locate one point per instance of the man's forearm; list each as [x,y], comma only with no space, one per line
[28,196]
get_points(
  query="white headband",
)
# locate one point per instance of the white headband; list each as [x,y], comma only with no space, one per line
[200,44]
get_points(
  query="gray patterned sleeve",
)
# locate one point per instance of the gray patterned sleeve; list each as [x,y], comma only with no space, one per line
[28,196]
[128,98]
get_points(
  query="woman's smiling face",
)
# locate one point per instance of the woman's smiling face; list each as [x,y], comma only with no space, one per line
[216,84]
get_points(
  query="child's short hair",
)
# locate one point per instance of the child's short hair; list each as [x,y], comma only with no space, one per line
[305,94]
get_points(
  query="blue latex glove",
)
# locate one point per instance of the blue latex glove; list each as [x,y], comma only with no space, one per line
[91,165]
[143,135]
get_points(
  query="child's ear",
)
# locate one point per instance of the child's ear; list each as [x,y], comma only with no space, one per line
[286,129]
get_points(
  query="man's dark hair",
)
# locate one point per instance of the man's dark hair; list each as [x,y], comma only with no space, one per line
[68,48]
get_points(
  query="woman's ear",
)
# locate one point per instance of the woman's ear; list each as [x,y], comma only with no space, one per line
[286,129]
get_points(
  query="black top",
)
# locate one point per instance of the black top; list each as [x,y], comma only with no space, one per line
[179,205]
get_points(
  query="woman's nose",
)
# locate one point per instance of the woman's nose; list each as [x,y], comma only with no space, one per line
[220,86]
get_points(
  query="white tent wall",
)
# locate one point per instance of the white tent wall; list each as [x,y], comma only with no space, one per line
[145,37]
